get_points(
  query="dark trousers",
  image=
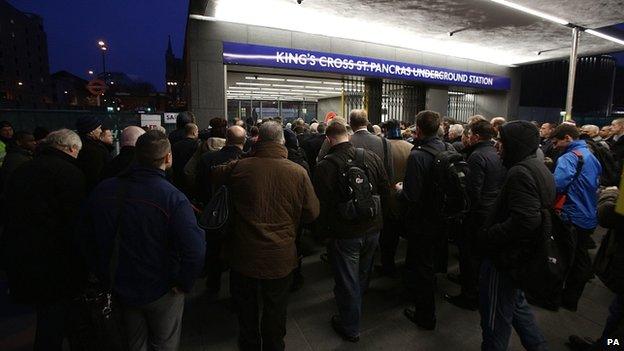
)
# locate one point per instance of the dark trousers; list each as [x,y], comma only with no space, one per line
[420,277]
[614,328]
[502,306]
[469,261]
[253,297]
[352,262]
[52,325]
[214,266]
[581,270]
[388,243]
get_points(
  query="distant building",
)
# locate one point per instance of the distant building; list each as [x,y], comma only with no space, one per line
[24,68]
[174,79]
[67,89]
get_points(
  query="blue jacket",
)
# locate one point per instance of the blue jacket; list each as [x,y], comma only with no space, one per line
[580,206]
[161,244]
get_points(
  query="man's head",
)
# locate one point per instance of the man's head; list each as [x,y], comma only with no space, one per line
[314,128]
[564,135]
[617,127]
[6,130]
[130,135]
[191,131]
[481,131]
[64,140]
[271,132]
[322,126]
[518,140]
[427,124]
[25,140]
[497,122]
[475,118]
[590,130]
[184,118]
[218,126]
[605,132]
[153,150]
[358,119]
[106,136]
[392,129]
[235,136]
[455,131]
[336,133]
[90,126]
[547,129]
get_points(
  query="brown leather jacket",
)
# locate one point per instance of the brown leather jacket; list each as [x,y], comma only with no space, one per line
[271,197]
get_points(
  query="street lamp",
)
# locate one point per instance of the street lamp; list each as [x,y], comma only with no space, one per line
[90,72]
[103,49]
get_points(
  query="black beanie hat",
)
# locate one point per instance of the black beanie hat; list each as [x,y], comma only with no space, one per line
[86,124]
[291,139]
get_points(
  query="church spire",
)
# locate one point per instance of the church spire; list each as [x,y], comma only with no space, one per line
[169,49]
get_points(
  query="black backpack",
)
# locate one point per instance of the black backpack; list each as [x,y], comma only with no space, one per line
[356,191]
[542,275]
[217,213]
[610,175]
[450,199]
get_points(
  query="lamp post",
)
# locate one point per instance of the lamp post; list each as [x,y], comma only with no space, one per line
[103,49]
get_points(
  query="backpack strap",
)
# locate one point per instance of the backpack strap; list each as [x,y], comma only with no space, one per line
[579,167]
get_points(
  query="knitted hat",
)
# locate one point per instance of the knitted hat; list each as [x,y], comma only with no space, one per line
[291,139]
[86,124]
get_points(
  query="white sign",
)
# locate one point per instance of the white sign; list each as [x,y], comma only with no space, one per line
[150,121]
[171,117]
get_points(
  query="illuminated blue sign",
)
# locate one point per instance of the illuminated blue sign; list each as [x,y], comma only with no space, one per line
[268,56]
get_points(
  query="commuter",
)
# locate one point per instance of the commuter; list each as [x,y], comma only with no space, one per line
[617,141]
[577,178]
[149,227]
[182,152]
[43,267]
[121,162]
[353,241]
[251,139]
[508,238]
[312,145]
[235,139]
[546,144]
[93,155]
[484,180]
[106,137]
[314,127]
[393,224]
[613,327]
[17,153]
[218,128]
[605,133]
[362,138]
[422,225]
[270,197]
[475,118]
[593,132]
[455,136]
[40,133]
[497,122]
[325,146]
[377,130]
[295,153]
[6,138]
[182,120]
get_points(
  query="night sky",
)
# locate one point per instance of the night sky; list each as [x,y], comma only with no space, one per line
[135,31]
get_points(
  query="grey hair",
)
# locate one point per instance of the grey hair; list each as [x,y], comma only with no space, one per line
[271,131]
[456,129]
[63,139]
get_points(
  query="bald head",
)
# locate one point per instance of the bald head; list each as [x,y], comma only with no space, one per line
[235,135]
[130,135]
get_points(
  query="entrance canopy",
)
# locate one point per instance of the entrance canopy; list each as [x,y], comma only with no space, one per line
[483,30]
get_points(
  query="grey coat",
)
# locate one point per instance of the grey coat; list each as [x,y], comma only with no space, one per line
[369,141]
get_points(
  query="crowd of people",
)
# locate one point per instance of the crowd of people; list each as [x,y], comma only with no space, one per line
[74,217]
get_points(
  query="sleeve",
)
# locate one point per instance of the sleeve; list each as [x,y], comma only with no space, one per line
[525,214]
[564,172]
[311,209]
[190,243]
[383,185]
[475,179]
[322,187]
[412,187]
[390,160]
[607,217]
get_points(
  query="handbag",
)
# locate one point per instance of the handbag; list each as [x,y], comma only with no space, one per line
[216,216]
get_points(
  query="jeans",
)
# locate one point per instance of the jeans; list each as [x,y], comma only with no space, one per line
[581,270]
[351,261]
[502,306]
[248,295]
[419,270]
[52,325]
[156,325]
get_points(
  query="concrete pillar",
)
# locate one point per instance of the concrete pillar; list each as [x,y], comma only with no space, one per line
[372,97]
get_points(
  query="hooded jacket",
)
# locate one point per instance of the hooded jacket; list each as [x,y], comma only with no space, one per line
[513,228]
[581,202]
[485,177]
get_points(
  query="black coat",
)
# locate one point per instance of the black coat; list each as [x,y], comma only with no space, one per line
[312,146]
[205,165]
[298,156]
[15,157]
[182,152]
[614,222]
[41,260]
[326,185]
[91,160]
[119,163]
[485,177]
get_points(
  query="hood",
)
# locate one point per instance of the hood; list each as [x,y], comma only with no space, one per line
[520,140]
[215,144]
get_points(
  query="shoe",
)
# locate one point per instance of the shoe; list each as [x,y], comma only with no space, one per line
[335,323]
[422,323]
[453,278]
[576,343]
[462,301]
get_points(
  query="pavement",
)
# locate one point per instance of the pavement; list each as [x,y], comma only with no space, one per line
[209,324]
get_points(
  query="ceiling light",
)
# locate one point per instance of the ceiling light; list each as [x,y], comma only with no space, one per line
[604,36]
[275,89]
[305,91]
[254,84]
[239,88]
[271,79]
[250,78]
[323,88]
[532,12]
[333,83]
[303,81]
[287,86]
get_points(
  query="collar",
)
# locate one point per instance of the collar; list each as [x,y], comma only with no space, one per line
[575,145]
[484,143]
[427,140]
[339,147]
[136,170]
[363,129]
[269,149]
[54,152]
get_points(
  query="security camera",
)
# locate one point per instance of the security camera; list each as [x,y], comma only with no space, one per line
[299,2]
